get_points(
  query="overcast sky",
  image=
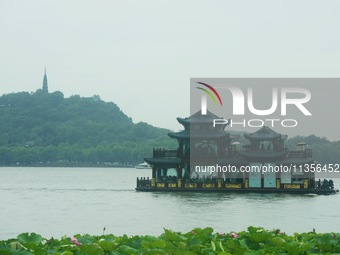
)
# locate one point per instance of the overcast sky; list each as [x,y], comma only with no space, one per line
[142,54]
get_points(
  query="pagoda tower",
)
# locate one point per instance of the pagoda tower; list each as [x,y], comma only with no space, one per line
[45,85]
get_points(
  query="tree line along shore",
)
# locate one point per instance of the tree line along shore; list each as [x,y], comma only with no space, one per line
[46,129]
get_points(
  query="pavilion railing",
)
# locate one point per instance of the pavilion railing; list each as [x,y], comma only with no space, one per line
[307,153]
[162,153]
[143,182]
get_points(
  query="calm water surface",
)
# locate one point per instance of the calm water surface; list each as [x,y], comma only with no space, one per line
[65,201]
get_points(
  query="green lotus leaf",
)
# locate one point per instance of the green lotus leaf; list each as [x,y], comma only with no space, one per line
[125,249]
[158,244]
[135,242]
[85,239]
[278,241]
[260,237]
[172,236]
[25,238]
[91,249]
[107,246]
[195,240]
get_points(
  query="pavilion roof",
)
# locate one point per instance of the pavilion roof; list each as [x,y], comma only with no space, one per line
[208,134]
[264,133]
[198,118]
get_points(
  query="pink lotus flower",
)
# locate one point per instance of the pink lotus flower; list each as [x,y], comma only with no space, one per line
[334,235]
[193,232]
[234,235]
[221,234]
[75,241]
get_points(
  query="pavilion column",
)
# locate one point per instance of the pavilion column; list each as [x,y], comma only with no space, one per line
[278,179]
[306,181]
[246,180]
[180,148]
[179,176]
[179,172]
[154,172]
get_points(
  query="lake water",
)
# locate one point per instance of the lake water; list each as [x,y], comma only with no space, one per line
[66,201]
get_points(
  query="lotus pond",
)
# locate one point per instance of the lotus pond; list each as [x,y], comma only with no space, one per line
[255,240]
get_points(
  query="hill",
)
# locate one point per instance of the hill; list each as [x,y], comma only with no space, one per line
[47,128]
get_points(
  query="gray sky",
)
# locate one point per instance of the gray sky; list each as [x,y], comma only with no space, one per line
[142,54]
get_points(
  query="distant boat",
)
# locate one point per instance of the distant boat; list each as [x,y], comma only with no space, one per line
[143,166]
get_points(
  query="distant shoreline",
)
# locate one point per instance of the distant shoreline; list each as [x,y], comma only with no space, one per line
[72,164]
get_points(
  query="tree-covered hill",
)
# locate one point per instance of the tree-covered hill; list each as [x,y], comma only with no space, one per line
[45,128]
